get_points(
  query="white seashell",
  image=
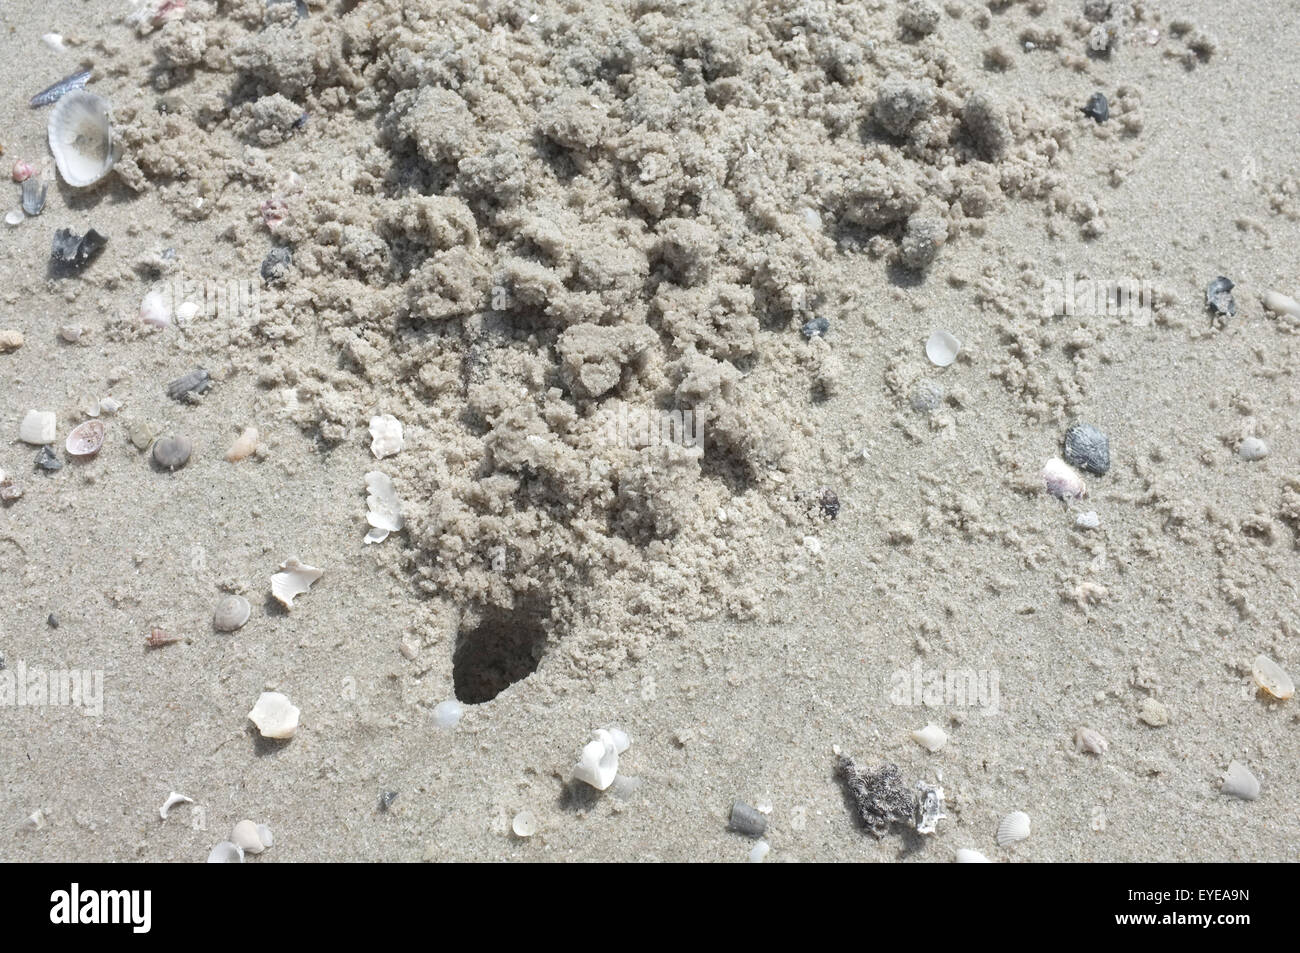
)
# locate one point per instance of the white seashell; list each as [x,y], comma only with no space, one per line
[226,853]
[1086,739]
[447,714]
[931,737]
[385,514]
[598,762]
[524,824]
[231,613]
[244,447]
[1271,677]
[1279,303]
[246,838]
[621,741]
[38,428]
[34,821]
[186,312]
[294,579]
[1088,520]
[274,715]
[386,434]
[1014,828]
[264,835]
[942,348]
[1252,448]
[1238,781]
[172,800]
[966,855]
[758,853]
[154,310]
[1061,480]
[15,216]
[109,405]
[54,41]
[81,138]
[71,333]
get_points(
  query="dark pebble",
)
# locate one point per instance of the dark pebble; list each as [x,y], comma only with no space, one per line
[47,459]
[745,820]
[816,328]
[386,800]
[830,504]
[172,453]
[1218,296]
[52,621]
[275,266]
[1088,448]
[72,252]
[1098,108]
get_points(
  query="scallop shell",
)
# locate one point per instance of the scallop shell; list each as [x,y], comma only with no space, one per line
[1013,828]
[86,439]
[1271,678]
[81,138]
[295,578]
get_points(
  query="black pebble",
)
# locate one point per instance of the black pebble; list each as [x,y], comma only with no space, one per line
[830,504]
[52,621]
[72,252]
[276,264]
[1088,448]
[1097,108]
[816,328]
[48,460]
[1218,296]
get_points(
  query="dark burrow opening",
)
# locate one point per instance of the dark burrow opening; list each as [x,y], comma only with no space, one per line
[495,653]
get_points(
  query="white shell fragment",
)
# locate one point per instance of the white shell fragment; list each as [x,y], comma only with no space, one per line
[386,436]
[758,853]
[942,348]
[226,853]
[154,310]
[244,447]
[293,579]
[274,715]
[1088,520]
[172,800]
[1090,741]
[1013,828]
[598,762]
[247,836]
[967,855]
[34,821]
[1062,481]
[38,428]
[81,138]
[1252,448]
[385,514]
[1279,303]
[524,824]
[264,835]
[931,737]
[1272,678]
[447,714]
[1238,781]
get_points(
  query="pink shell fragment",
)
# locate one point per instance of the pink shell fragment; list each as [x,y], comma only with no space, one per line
[85,440]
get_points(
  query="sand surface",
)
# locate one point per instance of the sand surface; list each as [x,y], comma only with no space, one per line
[736,652]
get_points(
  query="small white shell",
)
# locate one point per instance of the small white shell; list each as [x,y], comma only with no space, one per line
[1061,480]
[1090,741]
[245,837]
[385,514]
[1013,828]
[155,311]
[1238,781]
[1272,678]
[226,853]
[447,714]
[244,447]
[172,800]
[231,613]
[524,824]
[1088,520]
[109,405]
[942,348]
[264,835]
[1279,303]
[598,761]
[81,138]
[294,579]
[931,737]
[967,855]
[1252,448]
[274,715]
[386,434]
[38,428]
[758,853]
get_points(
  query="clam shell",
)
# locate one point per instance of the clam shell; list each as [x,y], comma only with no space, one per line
[86,439]
[81,138]
[1238,781]
[226,853]
[967,855]
[1270,677]
[1013,828]
[246,837]
[942,348]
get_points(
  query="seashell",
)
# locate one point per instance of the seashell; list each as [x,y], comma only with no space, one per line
[598,761]
[186,312]
[71,252]
[11,340]
[81,138]
[244,447]
[33,196]
[928,811]
[264,835]
[966,855]
[274,715]
[293,579]
[524,824]
[172,800]
[196,382]
[38,428]
[1274,301]
[157,638]
[56,91]
[172,452]
[34,821]
[22,171]
[1013,828]
[1088,520]
[85,439]
[931,737]
[1154,713]
[1086,739]
[54,41]
[15,216]
[1271,678]
[386,434]
[245,837]
[447,714]
[71,333]
[942,348]
[1218,296]
[1061,481]
[1252,448]
[1238,781]
[231,613]
[1087,448]
[226,853]
[746,820]
[385,514]
[154,310]
[109,405]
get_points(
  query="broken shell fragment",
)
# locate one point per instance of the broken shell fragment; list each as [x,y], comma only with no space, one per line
[226,853]
[1270,677]
[33,196]
[942,348]
[172,800]
[966,855]
[1218,297]
[38,428]
[1274,301]
[385,514]
[1238,781]
[247,837]
[1061,480]
[274,715]
[386,434]
[81,138]
[293,579]
[1090,741]
[1013,828]
[85,439]
[244,447]
[70,253]
[1252,449]
[154,310]
[931,737]
[598,761]
[231,613]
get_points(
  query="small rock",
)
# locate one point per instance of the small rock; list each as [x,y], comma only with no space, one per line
[1087,448]
[746,820]
[10,340]
[1218,297]
[829,503]
[1097,108]
[172,452]
[1154,713]
[816,328]
[48,460]
[276,264]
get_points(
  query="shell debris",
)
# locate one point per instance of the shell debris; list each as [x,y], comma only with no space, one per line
[932,738]
[293,579]
[942,348]
[1090,741]
[38,428]
[173,799]
[275,716]
[598,761]
[386,436]
[1279,303]
[1272,678]
[1062,481]
[1013,828]
[1240,782]
[385,509]
[245,446]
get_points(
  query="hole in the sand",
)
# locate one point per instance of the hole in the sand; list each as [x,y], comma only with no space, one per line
[494,654]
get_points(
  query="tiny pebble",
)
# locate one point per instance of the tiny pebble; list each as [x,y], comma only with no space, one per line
[1154,713]
[171,453]
[46,459]
[1252,448]
[1097,108]
[816,328]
